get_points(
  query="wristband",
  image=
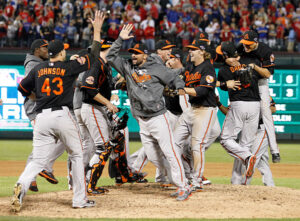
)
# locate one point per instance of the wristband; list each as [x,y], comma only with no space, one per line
[223,85]
[219,104]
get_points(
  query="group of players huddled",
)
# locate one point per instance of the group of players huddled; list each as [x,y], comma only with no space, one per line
[172,98]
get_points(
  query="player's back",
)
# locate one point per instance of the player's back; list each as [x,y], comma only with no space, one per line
[54,84]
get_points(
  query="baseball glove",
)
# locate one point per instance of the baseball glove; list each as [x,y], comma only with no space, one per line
[244,75]
[170,92]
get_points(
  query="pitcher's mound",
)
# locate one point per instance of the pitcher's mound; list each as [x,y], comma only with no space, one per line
[151,201]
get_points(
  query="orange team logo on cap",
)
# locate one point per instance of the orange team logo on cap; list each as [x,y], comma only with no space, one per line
[168,42]
[246,37]
[137,46]
[202,35]
[194,42]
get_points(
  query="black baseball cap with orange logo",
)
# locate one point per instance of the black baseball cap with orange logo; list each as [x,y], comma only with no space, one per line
[227,49]
[106,43]
[55,47]
[198,45]
[164,44]
[139,49]
[249,37]
[203,36]
[38,43]
[176,53]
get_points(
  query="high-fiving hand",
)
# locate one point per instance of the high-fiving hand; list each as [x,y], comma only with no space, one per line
[125,32]
[98,21]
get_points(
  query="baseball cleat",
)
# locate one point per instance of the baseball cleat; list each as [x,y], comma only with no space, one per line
[33,186]
[276,158]
[119,181]
[49,177]
[96,191]
[183,195]
[197,188]
[142,181]
[176,194]
[205,181]
[166,185]
[250,165]
[16,203]
[87,204]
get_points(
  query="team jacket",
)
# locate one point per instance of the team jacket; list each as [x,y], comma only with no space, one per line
[263,53]
[245,92]
[97,80]
[29,105]
[53,82]
[203,79]
[145,84]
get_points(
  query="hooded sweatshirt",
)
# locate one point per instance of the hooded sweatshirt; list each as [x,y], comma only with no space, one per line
[145,84]
[29,105]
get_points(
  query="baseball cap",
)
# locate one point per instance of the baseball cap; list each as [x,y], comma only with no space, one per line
[55,47]
[198,45]
[37,44]
[227,48]
[139,48]
[177,53]
[163,44]
[249,38]
[203,36]
[106,43]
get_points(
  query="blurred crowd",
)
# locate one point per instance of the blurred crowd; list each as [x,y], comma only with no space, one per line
[276,21]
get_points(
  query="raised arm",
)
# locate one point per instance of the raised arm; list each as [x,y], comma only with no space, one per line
[113,57]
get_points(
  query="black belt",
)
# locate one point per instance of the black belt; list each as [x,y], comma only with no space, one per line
[52,109]
[144,118]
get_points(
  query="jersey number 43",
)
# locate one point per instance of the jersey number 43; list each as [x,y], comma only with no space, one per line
[47,89]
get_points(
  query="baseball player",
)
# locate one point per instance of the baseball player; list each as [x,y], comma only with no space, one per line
[260,149]
[243,115]
[145,80]
[39,53]
[199,118]
[265,68]
[96,87]
[52,81]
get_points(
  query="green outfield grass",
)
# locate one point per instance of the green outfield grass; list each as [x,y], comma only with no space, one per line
[20,149]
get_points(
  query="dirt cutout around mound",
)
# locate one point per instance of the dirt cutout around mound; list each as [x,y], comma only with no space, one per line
[151,201]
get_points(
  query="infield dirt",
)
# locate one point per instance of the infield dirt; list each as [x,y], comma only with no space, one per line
[151,201]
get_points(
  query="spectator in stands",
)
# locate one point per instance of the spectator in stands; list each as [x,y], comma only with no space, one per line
[236,33]
[139,34]
[297,30]
[113,32]
[86,36]
[71,33]
[148,22]
[59,31]
[150,36]
[272,37]
[226,34]
[11,33]
[33,33]
[280,35]
[262,31]
[291,38]
[46,30]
